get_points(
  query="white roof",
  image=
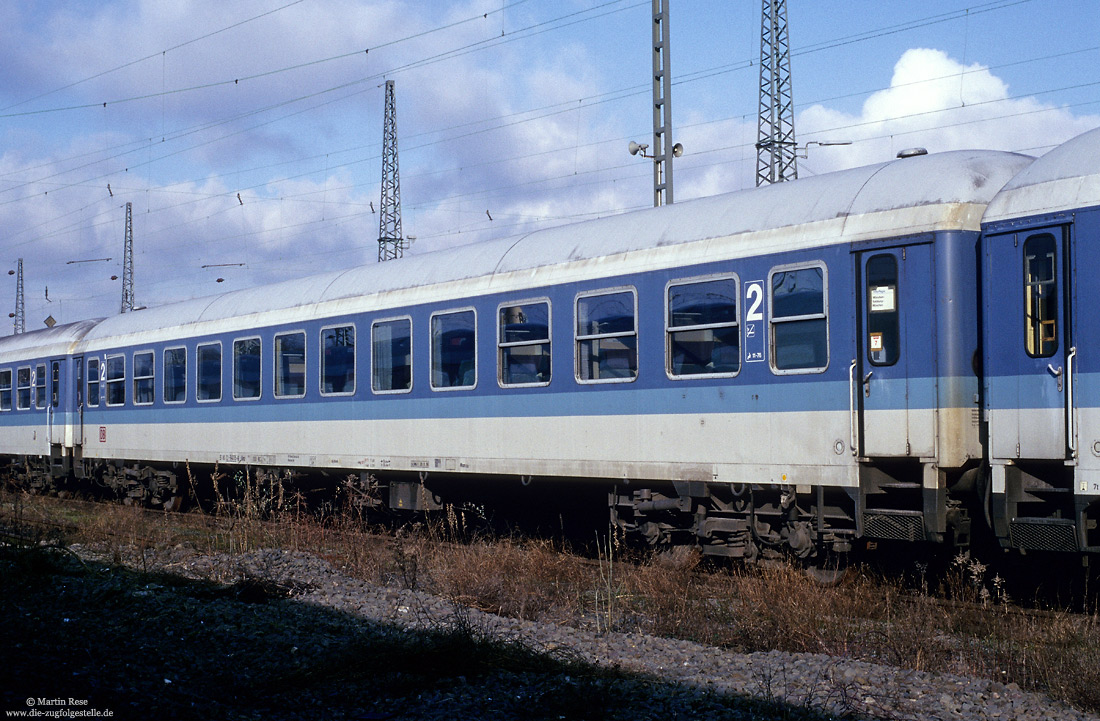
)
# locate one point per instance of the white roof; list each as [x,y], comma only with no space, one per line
[1066,178]
[945,180]
[55,341]
[938,185]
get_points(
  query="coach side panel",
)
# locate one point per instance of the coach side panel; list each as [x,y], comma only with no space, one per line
[735,371]
[647,376]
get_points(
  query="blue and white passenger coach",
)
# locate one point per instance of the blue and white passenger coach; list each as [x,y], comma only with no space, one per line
[1040,338]
[783,369]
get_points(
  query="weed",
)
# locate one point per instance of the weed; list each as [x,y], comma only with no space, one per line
[608,591]
[966,624]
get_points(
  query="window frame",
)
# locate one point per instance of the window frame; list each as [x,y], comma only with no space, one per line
[321,360]
[91,379]
[670,329]
[29,388]
[412,338]
[823,315]
[1033,326]
[502,344]
[152,378]
[7,387]
[108,380]
[578,338]
[38,378]
[277,379]
[164,370]
[431,349]
[55,383]
[198,371]
[895,314]
[233,369]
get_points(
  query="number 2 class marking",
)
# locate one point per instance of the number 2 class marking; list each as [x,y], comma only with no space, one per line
[754,340]
[754,292]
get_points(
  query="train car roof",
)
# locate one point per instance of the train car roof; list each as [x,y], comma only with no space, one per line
[1066,178]
[55,341]
[942,191]
[893,198]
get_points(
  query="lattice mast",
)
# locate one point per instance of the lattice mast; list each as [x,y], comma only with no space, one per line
[776,153]
[391,244]
[128,263]
[20,313]
[662,107]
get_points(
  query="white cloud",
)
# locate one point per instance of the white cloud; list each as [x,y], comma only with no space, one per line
[938,103]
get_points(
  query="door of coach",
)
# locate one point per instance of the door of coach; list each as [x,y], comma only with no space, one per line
[894,375]
[77,421]
[55,414]
[1029,350]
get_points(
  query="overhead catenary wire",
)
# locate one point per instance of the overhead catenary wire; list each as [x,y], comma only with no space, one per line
[933,19]
[306,226]
[568,106]
[301,98]
[237,80]
[159,53]
[470,130]
[487,191]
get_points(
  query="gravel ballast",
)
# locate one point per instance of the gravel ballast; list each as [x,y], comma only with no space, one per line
[281,634]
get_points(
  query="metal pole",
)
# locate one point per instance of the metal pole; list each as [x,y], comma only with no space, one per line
[776,153]
[391,244]
[662,106]
[20,309]
[128,264]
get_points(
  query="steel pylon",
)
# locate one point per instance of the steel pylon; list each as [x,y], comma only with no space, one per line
[391,244]
[776,152]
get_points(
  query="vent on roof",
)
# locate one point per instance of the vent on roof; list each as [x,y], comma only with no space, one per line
[912,152]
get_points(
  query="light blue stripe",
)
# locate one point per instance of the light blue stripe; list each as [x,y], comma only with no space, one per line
[614,399]
[1040,390]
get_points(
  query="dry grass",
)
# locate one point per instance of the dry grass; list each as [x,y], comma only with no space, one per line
[965,625]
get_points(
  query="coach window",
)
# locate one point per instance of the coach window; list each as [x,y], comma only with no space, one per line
[23,388]
[338,360]
[290,365]
[175,374]
[116,380]
[1040,296]
[92,396]
[524,344]
[607,337]
[799,319]
[454,350]
[40,385]
[247,364]
[391,356]
[144,378]
[883,336]
[208,362]
[703,330]
[5,389]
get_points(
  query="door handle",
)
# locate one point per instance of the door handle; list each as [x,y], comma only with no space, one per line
[852,406]
[867,384]
[1057,373]
[1071,430]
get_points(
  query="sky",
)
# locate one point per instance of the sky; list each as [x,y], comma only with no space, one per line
[247,134]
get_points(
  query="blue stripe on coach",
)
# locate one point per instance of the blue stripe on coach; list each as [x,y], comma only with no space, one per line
[788,398]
